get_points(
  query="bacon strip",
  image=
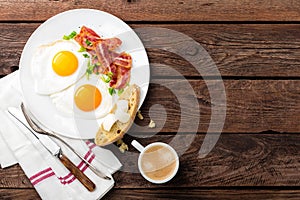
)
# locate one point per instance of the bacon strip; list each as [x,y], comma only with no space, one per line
[104,56]
[123,60]
[85,35]
[112,43]
[121,77]
[121,71]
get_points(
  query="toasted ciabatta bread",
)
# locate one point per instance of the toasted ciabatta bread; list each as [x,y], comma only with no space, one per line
[117,131]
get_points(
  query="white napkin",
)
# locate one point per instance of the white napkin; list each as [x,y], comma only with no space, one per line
[7,157]
[47,174]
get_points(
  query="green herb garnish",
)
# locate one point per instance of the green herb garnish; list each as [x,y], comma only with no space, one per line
[105,79]
[82,49]
[110,74]
[89,70]
[85,55]
[88,42]
[120,91]
[111,91]
[70,36]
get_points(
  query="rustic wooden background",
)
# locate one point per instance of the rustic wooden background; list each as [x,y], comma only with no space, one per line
[256,47]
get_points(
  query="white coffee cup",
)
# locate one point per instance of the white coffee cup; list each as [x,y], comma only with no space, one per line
[174,166]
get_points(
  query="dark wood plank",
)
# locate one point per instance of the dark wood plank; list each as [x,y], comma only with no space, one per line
[155,10]
[237,50]
[170,194]
[252,106]
[14,177]
[19,194]
[237,160]
[202,194]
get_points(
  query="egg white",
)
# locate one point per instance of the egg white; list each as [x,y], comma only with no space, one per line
[64,100]
[45,79]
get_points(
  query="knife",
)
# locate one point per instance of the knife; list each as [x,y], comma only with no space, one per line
[53,148]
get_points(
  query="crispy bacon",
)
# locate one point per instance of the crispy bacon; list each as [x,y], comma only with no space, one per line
[104,57]
[121,77]
[87,36]
[112,43]
[123,60]
[121,71]
[88,39]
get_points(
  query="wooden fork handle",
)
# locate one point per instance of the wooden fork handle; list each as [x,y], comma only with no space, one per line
[77,173]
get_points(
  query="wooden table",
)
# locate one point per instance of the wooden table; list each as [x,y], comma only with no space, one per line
[256,47]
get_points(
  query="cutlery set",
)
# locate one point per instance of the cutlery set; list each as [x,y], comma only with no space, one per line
[25,120]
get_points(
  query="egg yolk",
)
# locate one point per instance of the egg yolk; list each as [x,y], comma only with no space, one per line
[87,98]
[64,63]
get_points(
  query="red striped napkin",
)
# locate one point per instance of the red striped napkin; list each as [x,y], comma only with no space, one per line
[46,173]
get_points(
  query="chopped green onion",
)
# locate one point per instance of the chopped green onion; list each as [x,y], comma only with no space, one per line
[105,79]
[111,91]
[82,49]
[88,73]
[88,42]
[110,74]
[85,55]
[70,36]
[120,91]
[89,70]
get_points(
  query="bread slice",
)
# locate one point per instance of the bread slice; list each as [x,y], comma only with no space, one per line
[118,130]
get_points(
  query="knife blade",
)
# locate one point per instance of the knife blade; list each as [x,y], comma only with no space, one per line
[42,131]
[48,143]
[52,147]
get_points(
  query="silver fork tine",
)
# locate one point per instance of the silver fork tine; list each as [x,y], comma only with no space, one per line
[38,129]
[33,125]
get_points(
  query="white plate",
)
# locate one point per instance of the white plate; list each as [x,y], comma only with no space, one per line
[106,25]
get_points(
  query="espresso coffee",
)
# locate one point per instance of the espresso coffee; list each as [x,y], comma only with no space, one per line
[158,162]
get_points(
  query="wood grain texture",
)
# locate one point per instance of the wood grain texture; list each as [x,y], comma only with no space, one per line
[237,160]
[19,194]
[257,156]
[202,194]
[252,106]
[259,50]
[155,10]
[14,177]
[237,50]
[213,194]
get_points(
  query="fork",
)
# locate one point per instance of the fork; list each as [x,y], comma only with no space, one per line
[38,129]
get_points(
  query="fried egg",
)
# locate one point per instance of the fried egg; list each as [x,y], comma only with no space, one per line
[57,65]
[87,98]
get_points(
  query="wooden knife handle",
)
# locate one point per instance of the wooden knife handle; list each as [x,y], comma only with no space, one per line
[77,173]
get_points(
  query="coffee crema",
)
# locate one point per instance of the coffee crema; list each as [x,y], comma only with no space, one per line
[158,162]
